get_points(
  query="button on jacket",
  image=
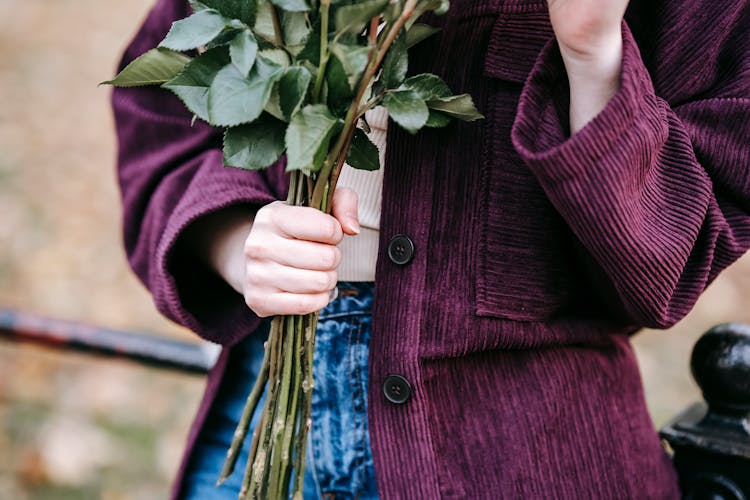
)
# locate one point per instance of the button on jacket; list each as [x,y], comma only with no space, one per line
[535,254]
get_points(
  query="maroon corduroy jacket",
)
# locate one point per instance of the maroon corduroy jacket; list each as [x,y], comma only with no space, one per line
[536,255]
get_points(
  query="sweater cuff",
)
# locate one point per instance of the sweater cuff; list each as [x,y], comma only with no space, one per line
[193,293]
[540,132]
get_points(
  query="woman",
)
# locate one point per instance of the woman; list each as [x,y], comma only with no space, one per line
[606,188]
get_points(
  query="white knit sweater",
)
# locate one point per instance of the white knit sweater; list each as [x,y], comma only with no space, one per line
[360,252]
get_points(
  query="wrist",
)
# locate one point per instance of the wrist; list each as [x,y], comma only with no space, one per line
[218,240]
[593,76]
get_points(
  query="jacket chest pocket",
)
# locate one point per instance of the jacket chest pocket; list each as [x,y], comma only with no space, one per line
[524,270]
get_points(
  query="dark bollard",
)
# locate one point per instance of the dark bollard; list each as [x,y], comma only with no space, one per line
[711,442]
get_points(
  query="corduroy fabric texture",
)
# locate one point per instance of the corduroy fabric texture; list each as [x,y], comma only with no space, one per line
[537,254]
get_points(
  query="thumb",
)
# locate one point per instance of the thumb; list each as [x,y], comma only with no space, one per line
[345,209]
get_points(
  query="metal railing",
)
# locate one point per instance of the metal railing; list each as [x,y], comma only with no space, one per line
[148,349]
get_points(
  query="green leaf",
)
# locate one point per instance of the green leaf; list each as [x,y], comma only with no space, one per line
[151,68]
[353,59]
[311,50]
[263,26]
[295,30]
[395,64]
[256,145]
[192,84]
[293,89]
[407,109]
[363,154]
[437,120]
[419,32]
[278,56]
[273,106]
[196,30]
[427,86]
[243,10]
[234,99]
[308,136]
[243,50]
[339,94]
[459,106]
[225,37]
[292,5]
[353,18]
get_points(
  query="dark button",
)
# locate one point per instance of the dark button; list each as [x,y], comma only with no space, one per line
[401,249]
[396,389]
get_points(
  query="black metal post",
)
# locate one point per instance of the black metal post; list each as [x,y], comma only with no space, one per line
[711,441]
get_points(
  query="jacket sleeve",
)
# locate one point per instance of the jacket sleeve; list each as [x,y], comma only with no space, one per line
[656,187]
[170,174]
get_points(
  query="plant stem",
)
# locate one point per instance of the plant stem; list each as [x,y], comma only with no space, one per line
[337,170]
[310,325]
[282,415]
[247,415]
[252,468]
[260,464]
[291,416]
[324,9]
[294,180]
[278,40]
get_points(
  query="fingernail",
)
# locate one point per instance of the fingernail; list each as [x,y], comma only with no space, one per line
[354,224]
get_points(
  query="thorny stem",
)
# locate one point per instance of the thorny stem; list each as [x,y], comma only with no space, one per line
[260,465]
[287,448]
[250,480]
[247,415]
[282,415]
[309,327]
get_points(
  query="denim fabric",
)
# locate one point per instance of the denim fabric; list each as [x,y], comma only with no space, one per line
[339,463]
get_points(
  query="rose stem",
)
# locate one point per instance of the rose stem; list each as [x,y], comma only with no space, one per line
[282,410]
[324,6]
[286,447]
[250,468]
[260,461]
[247,414]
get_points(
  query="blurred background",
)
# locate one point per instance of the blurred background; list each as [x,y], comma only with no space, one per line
[72,426]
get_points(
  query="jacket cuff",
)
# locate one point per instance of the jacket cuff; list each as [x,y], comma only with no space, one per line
[541,135]
[191,292]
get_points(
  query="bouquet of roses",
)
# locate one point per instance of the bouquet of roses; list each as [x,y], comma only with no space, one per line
[296,77]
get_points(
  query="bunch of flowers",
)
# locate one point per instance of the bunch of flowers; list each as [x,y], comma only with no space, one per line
[296,77]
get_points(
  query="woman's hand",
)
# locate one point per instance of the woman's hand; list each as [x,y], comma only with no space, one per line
[590,39]
[284,259]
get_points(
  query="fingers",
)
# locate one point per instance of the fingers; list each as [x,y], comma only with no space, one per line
[303,223]
[291,255]
[292,252]
[269,303]
[345,209]
[280,278]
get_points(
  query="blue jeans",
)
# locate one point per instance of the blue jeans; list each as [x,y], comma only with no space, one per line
[339,464]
